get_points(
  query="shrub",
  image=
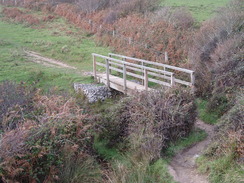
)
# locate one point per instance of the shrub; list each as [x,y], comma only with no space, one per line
[20,16]
[15,104]
[217,53]
[144,125]
[150,121]
[224,158]
[36,151]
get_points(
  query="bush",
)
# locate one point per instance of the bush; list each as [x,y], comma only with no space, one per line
[143,126]
[36,151]
[150,121]
[217,53]
[20,16]
[224,158]
[15,104]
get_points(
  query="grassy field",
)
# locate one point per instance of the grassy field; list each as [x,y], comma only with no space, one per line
[57,40]
[200,9]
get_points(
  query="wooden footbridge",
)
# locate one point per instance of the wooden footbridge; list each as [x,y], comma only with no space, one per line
[119,72]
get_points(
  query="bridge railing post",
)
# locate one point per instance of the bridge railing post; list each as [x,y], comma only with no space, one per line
[193,82]
[94,68]
[110,71]
[172,79]
[146,79]
[124,77]
[107,72]
[142,64]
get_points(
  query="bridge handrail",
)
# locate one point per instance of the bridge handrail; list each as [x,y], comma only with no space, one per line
[135,65]
[153,63]
[123,64]
[191,72]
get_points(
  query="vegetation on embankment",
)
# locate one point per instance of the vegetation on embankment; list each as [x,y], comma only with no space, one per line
[50,138]
[214,51]
[223,160]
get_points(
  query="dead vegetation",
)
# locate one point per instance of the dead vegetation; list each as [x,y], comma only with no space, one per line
[34,150]
[150,121]
[39,130]
[217,56]
[54,140]
[223,161]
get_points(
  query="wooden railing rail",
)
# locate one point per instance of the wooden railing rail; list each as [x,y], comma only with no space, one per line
[164,66]
[112,63]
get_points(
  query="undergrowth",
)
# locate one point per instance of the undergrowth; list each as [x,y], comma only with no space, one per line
[223,161]
[204,114]
[195,136]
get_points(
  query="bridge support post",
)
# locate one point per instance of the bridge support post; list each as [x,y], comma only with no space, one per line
[124,77]
[146,79]
[193,82]
[107,72]
[142,64]
[172,80]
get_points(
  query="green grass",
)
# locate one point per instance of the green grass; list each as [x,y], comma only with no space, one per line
[200,9]
[204,115]
[52,41]
[221,169]
[105,152]
[196,136]
[143,170]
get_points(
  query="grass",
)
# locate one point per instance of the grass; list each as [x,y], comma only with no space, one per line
[196,136]
[144,171]
[204,115]
[221,169]
[200,9]
[49,39]
[106,153]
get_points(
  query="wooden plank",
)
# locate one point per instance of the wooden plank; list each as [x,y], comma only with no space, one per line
[100,64]
[124,77]
[146,79]
[172,80]
[159,82]
[183,82]
[163,76]
[107,72]
[116,69]
[135,65]
[94,67]
[117,84]
[141,77]
[151,79]
[153,63]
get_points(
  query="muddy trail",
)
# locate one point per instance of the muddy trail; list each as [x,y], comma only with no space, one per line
[37,58]
[183,166]
[49,62]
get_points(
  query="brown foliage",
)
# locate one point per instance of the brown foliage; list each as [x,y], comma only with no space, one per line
[145,36]
[15,103]
[150,121]
[19,16]
[217,52]
[33,151]
[229,132]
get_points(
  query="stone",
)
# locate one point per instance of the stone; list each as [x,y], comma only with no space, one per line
[93,92]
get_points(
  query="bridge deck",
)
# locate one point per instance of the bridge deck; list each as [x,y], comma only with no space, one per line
[117,83]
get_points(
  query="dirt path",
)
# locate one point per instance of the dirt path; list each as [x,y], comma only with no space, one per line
[37,58]
[183,167]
